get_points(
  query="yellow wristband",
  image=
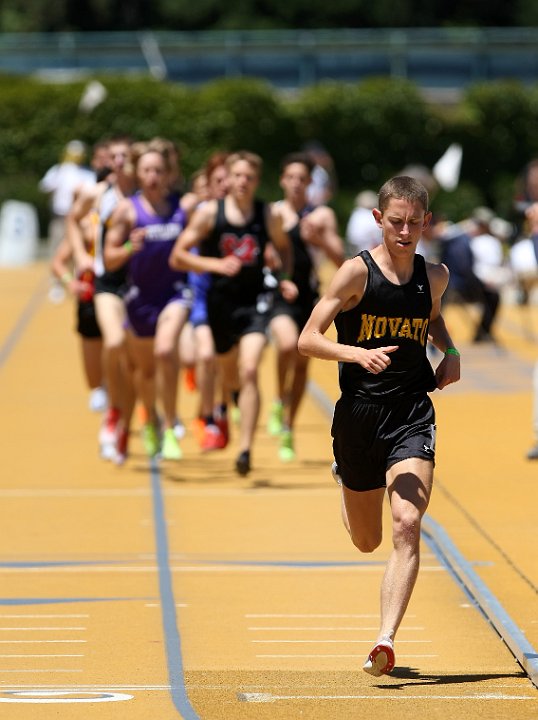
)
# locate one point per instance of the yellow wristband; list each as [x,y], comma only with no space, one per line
[128,246]
[66,278]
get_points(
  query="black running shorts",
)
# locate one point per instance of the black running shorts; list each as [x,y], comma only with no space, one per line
[299,311]
[87,325]
[368,438]
[229,322]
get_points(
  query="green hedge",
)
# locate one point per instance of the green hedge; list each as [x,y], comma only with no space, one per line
[372,129]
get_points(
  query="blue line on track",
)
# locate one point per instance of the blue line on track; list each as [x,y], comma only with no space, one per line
[168,606]
[441,544]
[12,339]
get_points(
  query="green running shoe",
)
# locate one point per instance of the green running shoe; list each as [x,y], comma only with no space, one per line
[170,449]
[286,452]
[276,413]
[150,438]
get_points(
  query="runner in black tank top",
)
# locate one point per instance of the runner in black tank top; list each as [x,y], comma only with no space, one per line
[247,242]
[313,232]
[232,235]
[385,304]
[389,314]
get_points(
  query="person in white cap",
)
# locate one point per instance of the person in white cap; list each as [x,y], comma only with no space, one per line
[60,182]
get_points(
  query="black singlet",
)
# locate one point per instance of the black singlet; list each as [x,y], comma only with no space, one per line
[304,272]
[389,314]
[246,242]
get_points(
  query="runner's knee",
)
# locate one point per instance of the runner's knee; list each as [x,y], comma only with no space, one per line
[366,543]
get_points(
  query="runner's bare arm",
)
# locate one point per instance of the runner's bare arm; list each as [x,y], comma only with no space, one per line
[280,239]
[320,228]
[199,227]
[81,207]
[344,293]
[448,370]
[117,250]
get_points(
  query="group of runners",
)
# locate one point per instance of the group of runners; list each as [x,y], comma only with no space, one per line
[205,278]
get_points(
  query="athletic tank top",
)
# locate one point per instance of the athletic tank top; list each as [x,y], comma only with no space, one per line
[389,314]
[248,243]
[148,269]
[304,266]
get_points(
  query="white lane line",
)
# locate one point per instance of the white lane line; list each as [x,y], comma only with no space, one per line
[158,605]
[44,617]
[38,642]
[40,655]
[336,655]
[267,697]
[281,628]
[47,670]
[274,642]
[312,615]
[37,629]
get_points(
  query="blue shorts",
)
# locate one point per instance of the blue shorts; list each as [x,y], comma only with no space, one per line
[200,284]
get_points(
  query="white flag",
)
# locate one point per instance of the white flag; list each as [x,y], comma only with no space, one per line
[447,169]
[93,95]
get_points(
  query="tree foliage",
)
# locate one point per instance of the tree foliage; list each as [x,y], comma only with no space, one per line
[96,15]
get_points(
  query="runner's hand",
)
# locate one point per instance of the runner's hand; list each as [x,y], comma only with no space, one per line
[376,360]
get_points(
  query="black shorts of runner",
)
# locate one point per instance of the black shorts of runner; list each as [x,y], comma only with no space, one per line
[368,438]
[87,321]
[230,322]
[299,311]
[112,282]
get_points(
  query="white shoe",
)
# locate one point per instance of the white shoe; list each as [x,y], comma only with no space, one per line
[179,429]
[98,400]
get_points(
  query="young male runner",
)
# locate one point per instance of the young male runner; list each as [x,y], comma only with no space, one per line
[232,235]
[385,304]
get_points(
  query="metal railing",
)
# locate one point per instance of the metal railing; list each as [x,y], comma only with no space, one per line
[433,58]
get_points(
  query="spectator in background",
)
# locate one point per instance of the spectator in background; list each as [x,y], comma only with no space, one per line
[464,285]
[488,251]
[60,182]
[362,232]
[323,184]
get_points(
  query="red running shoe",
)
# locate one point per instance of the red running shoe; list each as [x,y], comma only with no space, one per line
[222,424]
[381,659]
[122,442]
[213,438]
